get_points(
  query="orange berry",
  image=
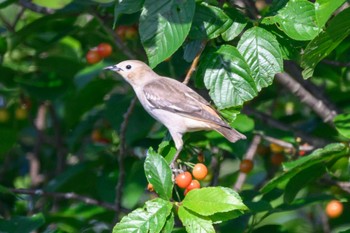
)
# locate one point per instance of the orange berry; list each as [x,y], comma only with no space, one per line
[93,57]
[183,179]
[200,171]
[104,50]
[193,185]
[246,165]
[277,159]
[334,209]
[150,187]
[96,135]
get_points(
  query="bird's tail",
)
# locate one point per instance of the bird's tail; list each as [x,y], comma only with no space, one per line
[231,134]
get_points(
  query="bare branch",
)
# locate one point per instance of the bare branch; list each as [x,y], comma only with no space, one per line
[194,63]
[336,63]
[249,155]
[67,196]
[269,120]
[36,8]
[121,156]
[317,105]
[117,41]
[285,144]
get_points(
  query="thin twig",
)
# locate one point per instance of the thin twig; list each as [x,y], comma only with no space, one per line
[121,156]
[284,144]
[269,120]
[337,63]
[316,91]
[18,17]
[194,63]
[6,23]
[317,105]
[250,156]
[36,8]
[67,196]
[117,41]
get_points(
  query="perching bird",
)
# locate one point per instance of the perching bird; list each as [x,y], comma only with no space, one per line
[173,103]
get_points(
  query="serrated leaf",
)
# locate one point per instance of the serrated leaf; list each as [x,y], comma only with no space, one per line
[191,50]
[297,19]
[194,223]
[158,173]
[150,218]
[237,25]
[262,52]
[127,7]
[329,153]
[164,26]
[209,22]
[227,76]
[169,224]
[212,200]
[326,42]
[342,124]
[302,179]
[324,10]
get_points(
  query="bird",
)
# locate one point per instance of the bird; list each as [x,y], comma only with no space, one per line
[178,107]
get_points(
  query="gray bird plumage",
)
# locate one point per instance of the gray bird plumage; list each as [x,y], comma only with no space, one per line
[173,103]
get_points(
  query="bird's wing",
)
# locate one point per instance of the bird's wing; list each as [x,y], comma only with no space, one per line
[173,96]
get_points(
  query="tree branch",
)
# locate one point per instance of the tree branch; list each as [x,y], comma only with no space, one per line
[122,154]
[38,9]
[67,196]
[267,119]
[117,41]
[318,106]
[250,156]
[194,63]
[336,63]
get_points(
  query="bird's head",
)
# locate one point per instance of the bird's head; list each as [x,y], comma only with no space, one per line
[133,71]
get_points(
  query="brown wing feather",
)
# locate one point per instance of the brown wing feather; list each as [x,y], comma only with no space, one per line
[181,99]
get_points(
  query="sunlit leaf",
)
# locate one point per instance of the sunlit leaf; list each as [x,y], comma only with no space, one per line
[261,51]
[164,26]
[227,76]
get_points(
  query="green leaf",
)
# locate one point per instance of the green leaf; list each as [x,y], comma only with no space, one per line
[169,224]
[237,26]
[227,76]
[342,124]
[212,200]
[194,223]
[302,179]
[326,42]
[297,19]
[150,218]
[127,7]
[54,4]
[329,153]
[164,25]
[261,51]
[21,224]
[324,10]
[191,50]
[159,174]
[209,22]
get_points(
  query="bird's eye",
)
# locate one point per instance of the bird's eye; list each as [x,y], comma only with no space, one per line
[128,67]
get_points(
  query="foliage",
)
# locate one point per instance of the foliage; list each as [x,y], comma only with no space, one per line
[76,148]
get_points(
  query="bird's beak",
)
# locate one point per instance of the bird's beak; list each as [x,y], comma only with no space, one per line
[113,68]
